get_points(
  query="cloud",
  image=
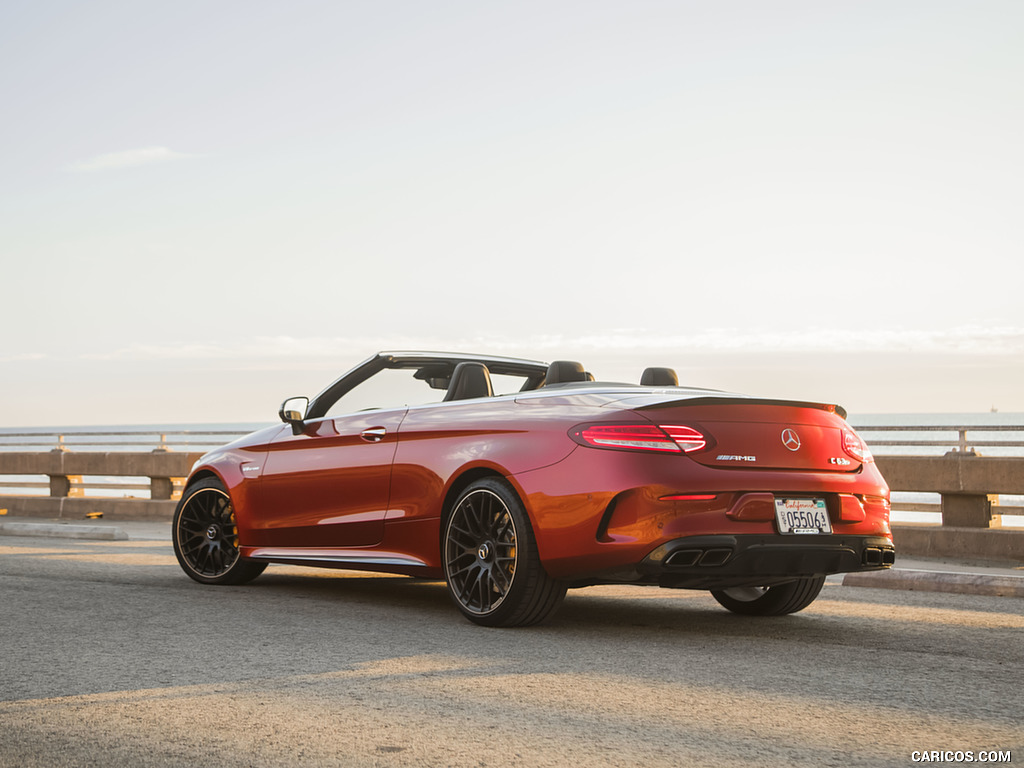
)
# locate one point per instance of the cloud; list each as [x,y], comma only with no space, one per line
[964,340]
[272,348]
[968,340]
[129,158]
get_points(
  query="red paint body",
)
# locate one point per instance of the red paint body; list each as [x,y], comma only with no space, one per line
[331,495]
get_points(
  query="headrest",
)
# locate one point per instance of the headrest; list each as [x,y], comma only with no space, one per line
[562,371]
[659,377]
[469,380]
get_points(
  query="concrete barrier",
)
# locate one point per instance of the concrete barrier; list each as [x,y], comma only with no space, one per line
[67,474]
[966,482]
[933,581]
[959,543]
[69,508]
[64,531]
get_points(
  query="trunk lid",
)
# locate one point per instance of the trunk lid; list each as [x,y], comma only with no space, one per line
[761,434]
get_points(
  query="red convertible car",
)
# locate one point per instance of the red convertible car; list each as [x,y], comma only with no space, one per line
[514,480]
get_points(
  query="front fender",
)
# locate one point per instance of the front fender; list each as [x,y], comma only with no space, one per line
[238,471]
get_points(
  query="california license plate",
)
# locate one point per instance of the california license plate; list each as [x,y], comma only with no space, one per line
[802,516]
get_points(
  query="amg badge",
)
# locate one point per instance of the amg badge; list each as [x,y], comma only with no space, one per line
[723,457]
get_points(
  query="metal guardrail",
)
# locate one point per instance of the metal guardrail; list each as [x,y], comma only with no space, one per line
[962,442]
[84,484]
[130,439]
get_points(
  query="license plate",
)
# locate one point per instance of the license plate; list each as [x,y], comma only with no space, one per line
[796,516]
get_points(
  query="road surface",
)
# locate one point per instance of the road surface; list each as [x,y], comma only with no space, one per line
[110,656]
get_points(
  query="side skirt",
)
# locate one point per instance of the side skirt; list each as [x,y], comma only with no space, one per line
[350,559]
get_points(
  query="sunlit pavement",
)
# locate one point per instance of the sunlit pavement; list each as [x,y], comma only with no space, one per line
[113,657]
[913,573]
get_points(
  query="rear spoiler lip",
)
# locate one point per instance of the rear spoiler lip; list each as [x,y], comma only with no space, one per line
[837,409]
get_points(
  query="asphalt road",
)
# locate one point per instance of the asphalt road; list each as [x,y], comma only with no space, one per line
[110,656]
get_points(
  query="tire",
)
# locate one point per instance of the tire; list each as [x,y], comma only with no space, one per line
[771,601]
[206,537]
[491,564]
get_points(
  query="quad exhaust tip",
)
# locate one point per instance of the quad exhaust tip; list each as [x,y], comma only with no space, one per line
[879,556]
[703,557]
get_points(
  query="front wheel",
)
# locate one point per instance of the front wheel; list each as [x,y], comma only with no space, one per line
[206,536]
[781,599]
[490,557]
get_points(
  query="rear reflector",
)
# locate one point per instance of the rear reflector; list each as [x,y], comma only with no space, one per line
[640,437]
[689,497]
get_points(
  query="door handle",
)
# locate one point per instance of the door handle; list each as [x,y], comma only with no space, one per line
[374,434]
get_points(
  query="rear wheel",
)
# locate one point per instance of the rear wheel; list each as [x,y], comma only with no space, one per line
[771,601]
[490,558]
[205,536]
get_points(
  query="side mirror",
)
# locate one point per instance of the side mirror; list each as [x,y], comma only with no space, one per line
[293,411]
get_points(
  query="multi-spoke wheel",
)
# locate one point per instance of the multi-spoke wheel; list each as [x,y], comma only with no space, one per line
[206,537]
[785,598]
[491,564]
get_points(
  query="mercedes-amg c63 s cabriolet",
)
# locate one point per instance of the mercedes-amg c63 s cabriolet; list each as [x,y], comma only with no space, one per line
[514,480]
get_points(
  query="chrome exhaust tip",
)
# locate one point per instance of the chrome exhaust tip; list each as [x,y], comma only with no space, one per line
[872,556]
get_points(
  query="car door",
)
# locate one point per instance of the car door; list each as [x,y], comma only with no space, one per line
[328,486]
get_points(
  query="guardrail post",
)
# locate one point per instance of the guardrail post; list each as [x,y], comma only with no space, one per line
[161,488]
[962,510]
[968,510]
[62,486]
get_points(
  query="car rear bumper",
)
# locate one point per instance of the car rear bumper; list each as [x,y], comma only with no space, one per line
[723,561]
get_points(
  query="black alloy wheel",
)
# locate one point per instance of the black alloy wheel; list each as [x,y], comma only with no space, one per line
[205,536]
[490,558]
[481,551]
[779,600]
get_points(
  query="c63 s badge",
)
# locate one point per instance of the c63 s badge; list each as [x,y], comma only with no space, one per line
[840,461]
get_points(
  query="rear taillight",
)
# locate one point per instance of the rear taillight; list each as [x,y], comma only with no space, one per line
[687,438]
[640,437]
[856,447]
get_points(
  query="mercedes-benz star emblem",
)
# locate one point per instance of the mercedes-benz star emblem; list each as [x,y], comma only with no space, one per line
[790,439]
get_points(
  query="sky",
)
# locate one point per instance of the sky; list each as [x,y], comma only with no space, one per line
[208,207]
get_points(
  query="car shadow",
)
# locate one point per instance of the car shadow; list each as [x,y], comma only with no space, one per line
[857,620]
[586,609]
